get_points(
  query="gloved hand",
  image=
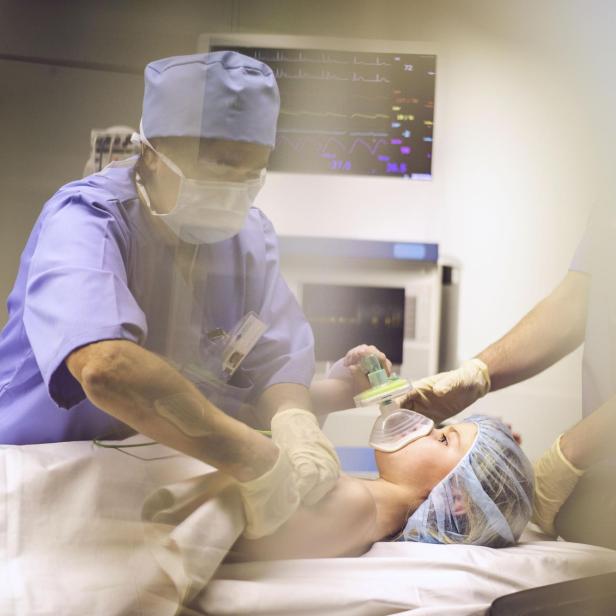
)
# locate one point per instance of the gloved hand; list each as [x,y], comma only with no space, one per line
[555,479]
[447,393]
[271,499]
[313,458]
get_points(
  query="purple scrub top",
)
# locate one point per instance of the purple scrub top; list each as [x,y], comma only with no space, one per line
[93,269]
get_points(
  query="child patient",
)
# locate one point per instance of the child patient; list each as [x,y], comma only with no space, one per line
[468,482]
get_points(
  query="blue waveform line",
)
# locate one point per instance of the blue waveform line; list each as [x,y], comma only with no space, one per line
[300,144]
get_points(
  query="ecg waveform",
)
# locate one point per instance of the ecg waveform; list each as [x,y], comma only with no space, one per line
[352,112]
[301,144]
[327,76]
[323,57]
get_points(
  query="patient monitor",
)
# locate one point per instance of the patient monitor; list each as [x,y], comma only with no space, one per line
[367,292]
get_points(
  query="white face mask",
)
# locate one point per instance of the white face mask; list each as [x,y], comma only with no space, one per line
[207,211]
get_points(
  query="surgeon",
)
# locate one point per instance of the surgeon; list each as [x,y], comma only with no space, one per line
[149,298]
[576,478]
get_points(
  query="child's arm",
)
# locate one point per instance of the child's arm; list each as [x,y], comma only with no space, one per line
[330,395]
[344,380]
[341,524]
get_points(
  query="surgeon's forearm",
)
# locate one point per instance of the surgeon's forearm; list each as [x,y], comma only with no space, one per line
[551,330]
[592,439]
[140,389]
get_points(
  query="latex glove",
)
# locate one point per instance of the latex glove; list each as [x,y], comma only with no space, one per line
[555,479]
[313,457]
[447,393]
[271,499]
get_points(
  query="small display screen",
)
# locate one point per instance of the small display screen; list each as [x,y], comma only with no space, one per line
[343,317]
[352,113]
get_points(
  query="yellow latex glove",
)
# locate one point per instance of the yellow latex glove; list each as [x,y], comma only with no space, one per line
[271,499]
[312,456]
[447,393]
[555,479]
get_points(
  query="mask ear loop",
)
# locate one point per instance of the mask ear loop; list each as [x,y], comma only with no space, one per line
[140,138]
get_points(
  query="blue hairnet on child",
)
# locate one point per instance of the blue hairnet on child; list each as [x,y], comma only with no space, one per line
[485,500]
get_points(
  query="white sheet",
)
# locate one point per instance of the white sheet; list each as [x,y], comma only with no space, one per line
[76,539]
[72,542]
[400,578]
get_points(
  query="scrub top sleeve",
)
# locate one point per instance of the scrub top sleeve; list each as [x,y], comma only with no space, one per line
[77,291]
[596,226]
[285,352]
[581,257]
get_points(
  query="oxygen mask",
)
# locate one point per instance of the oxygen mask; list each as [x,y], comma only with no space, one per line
[395,427]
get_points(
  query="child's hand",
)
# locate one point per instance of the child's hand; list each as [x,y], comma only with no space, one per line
[352,361]
[353,357]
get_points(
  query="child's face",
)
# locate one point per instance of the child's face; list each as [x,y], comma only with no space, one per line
[426,461]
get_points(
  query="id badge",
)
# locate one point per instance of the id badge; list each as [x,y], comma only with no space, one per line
[242,340]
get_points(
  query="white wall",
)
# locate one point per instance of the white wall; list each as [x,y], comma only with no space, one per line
[517,166]
[522,89]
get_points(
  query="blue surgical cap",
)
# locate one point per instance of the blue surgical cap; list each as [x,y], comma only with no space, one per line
[485,500]
[218,95]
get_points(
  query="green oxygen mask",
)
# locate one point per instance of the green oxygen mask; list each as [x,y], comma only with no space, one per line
[384,387]
[395,427]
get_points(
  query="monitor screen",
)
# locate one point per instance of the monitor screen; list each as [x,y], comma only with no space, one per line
[343,317]
[352,113]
